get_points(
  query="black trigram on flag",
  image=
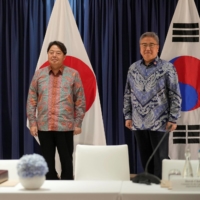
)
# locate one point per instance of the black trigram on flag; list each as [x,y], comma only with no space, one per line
[189,134]
[185,32]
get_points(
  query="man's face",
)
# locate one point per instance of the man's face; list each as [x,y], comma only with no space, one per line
[55,57]
[149,49]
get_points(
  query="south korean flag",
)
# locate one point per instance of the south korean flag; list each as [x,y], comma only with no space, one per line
[182,48]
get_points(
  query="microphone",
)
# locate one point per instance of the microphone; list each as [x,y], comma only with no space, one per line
[145,177]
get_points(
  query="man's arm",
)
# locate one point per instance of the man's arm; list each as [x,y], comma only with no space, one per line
[80,104]
[174,95]
[127,110]
[31,106]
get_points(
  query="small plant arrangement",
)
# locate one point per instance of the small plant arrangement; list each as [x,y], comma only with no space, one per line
[32,165]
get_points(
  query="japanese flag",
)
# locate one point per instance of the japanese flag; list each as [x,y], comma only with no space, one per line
[182,48]
[62,27]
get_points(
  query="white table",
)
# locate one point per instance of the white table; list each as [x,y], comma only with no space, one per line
[95,190]
[134,191]
[64,190]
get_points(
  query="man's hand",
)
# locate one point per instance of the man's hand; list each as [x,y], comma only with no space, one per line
[77,130]
[171,126]
[128,123]
[34,131]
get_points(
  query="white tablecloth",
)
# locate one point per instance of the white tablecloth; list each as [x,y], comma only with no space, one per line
[95,190]
[64,190]
[134,191]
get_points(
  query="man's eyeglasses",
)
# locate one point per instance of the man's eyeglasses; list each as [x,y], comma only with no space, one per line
[145,45]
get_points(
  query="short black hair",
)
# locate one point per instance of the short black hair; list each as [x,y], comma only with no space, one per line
[61,46]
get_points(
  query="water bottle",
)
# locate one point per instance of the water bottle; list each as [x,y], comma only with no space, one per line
[187,170]
[198,166]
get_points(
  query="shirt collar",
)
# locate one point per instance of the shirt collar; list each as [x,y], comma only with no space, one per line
[154,62]
[60,70]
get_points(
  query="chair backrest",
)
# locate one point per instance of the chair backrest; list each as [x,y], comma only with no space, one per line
[11,166]
[168,165]
[102,162]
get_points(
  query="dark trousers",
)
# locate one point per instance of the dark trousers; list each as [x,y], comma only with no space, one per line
[49,140]
[147,142]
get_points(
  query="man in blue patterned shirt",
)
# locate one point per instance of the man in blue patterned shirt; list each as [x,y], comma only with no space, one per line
[152,102]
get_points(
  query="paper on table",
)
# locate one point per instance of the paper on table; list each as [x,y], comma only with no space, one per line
[9,183]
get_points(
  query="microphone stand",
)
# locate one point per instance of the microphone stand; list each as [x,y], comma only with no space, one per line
[145,177]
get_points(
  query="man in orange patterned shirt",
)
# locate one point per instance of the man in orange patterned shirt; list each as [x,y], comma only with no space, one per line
[56,92]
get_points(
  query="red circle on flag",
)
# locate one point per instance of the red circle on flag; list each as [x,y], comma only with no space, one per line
[188,74]
[87,77]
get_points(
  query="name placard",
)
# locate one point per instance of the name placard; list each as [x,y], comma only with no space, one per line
[185,184]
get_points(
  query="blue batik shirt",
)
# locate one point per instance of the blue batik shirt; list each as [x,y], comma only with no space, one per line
[152,95]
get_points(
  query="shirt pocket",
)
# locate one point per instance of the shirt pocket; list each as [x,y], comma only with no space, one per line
[67,86]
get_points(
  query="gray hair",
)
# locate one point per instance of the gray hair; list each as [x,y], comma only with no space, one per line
[150,34]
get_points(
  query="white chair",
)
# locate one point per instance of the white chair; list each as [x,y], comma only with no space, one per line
[11,166]
[102,162]
[168,165]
